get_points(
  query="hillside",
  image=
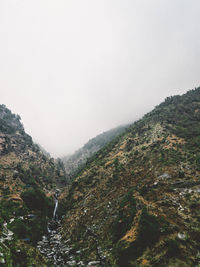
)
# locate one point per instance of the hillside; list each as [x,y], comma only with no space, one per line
[73,163]
[137,202]
[27,179]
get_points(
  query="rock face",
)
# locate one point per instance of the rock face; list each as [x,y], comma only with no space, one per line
[139,196]
[73,163]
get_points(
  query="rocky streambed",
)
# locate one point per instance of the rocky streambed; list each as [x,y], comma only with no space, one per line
[56,250]
[53,248]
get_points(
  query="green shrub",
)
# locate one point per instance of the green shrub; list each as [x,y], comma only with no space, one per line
[136,152]
[148,234]
[20,228]
[149,229]
[172,247]
[125,216]
[181,174]
[8,209]
[36,200]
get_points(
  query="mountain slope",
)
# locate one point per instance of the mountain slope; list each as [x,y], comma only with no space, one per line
[27,178]
[20,159]
[136,203]
[76,161]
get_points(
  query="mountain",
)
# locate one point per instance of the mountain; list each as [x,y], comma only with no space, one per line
[47,154]
[20,159]
[27,179]
[136,202]
[73,163]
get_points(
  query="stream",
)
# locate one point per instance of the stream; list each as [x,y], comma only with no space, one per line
[57,251]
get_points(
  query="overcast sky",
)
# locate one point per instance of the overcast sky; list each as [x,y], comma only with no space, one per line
[75,68]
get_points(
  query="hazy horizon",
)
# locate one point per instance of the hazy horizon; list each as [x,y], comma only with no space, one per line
[74,69]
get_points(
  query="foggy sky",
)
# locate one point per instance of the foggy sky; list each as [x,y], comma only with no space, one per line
[75,68]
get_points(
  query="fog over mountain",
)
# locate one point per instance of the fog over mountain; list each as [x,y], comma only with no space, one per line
[73,69]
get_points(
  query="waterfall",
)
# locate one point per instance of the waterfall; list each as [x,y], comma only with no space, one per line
[58,252]
[53,223]
[51,246]
[55,209]
[55,216]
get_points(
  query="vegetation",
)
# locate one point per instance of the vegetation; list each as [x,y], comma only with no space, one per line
[75,163]
[26,175]
[134,202]
[140,191]
[127,212]
[36,200]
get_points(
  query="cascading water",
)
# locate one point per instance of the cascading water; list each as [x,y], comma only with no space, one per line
[55,217]
[52,247]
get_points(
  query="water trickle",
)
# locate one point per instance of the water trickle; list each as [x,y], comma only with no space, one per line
[57,251]
[55,217]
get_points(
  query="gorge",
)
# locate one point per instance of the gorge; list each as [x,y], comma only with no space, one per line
[134,202]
